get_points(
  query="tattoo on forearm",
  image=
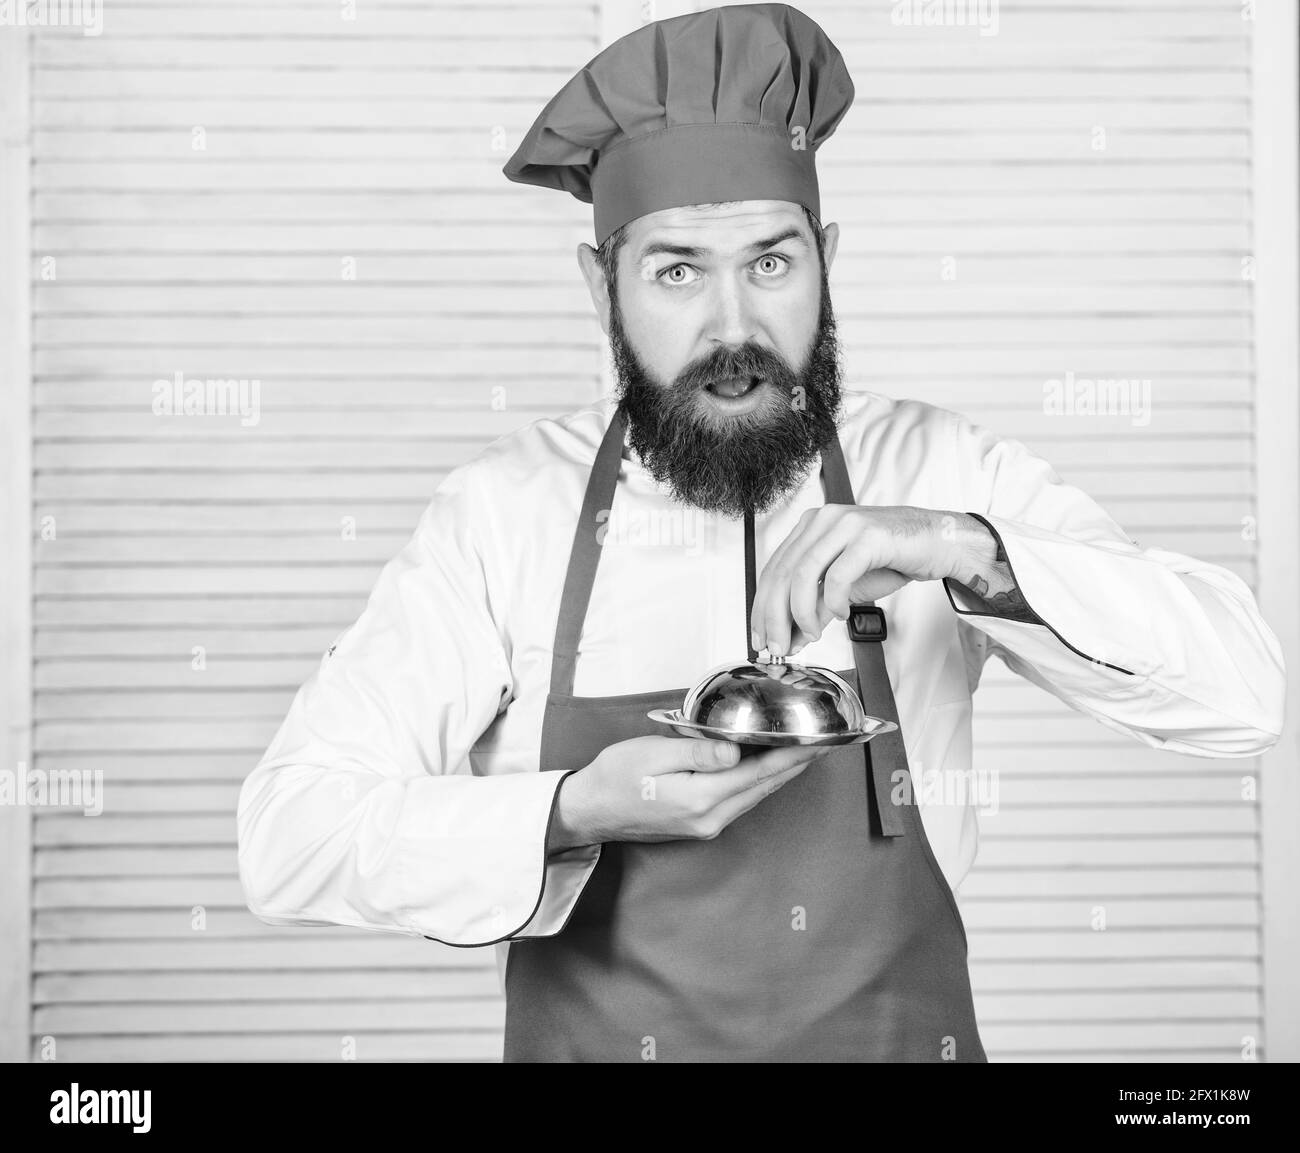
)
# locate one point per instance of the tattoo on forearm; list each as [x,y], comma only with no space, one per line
[1000,593]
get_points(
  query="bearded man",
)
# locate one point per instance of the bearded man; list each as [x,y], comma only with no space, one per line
[475,762]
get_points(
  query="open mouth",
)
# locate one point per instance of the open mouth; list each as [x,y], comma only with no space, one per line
[734,387]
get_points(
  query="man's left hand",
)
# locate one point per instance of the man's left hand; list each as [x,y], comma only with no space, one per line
[843,554]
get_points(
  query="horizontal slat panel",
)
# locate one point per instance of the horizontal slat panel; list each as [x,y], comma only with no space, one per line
[571,327]
[1099,882]
[867,118]
[146,862]
[255,612]
[450,22]
[990,977]
[1114,1036]
[1119,913]
[308,950]
[486,141]
[1077,1008]
[1100,848]
[355,54]
[842,181]
[884,269]
[335,1016]
[1164,302]
[196,988]
[481,1045]
[1128,944]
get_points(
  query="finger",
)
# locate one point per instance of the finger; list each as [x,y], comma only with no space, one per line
[856,559]
[772,585]
[708,756]
[740,803]
[757,768]
[684,754]
[799,639]
[819,555]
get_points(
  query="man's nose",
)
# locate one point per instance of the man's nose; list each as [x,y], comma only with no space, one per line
[732,319]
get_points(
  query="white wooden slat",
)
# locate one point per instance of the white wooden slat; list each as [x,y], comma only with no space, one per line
[1221,300]
[1120,913]
[161,673]
[884,270]
[479,1045]
[843,182]
[225,361]
[448,22]
[1066,24]
[114,988]
[164,81]
[231,111]
[920,82]
[179,486]
[354,54]
[131,862]
[1085,946]
[571,327]
[1226,1055]
[1153,974]
[307,950]
[167,765]
[1106,850]
[989,884]
[166,611]
[236,641]
[370,239]
[344,299]
[1111,1037]
[488,141]
[1174,1005]
[123,799]
[422,1015]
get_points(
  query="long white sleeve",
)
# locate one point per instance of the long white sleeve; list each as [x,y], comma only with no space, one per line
[363,811]
[1158,645]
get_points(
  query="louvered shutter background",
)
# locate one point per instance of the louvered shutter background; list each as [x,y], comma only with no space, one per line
[379,140]
[375,140]
[1122,263]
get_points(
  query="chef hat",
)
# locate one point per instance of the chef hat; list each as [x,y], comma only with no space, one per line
[723,105]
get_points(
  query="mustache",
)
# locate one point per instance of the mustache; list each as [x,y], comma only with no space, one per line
[747,360]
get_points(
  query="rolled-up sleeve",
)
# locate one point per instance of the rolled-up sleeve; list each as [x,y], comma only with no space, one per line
[1165,648]
[363,811]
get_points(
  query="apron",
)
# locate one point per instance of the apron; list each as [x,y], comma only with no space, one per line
[816,927]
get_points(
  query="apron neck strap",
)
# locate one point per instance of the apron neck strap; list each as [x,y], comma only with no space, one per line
[585,555]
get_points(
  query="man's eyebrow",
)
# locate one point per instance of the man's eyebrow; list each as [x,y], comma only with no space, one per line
[691,252]
[661,246]
[779,238]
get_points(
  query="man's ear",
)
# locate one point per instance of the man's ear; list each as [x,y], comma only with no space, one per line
[594,275]
[831,234]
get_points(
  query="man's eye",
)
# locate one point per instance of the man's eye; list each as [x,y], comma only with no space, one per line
[669,274]
[771,264]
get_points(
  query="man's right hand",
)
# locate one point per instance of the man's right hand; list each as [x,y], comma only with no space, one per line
[668,789]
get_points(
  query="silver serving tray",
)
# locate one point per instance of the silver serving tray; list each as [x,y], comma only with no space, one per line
[872,727]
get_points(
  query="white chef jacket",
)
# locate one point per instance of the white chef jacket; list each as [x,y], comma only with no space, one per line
[402,791]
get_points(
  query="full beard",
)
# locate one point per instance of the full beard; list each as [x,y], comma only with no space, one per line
[727,463]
